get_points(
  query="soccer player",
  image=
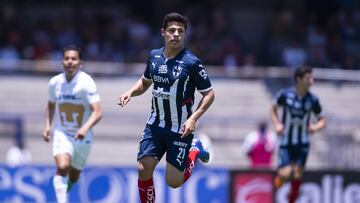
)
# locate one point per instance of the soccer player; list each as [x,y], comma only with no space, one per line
[75,105]
[175,74]
[294,128]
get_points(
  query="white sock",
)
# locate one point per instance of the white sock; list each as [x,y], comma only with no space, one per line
[60,185]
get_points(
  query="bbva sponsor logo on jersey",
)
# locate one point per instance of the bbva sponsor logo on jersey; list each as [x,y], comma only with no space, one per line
[161,79]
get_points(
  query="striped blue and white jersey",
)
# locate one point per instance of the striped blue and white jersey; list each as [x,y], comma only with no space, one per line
[296,116]
[174,83]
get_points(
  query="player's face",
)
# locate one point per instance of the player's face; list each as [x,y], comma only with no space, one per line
[306,81]
[174,35]
[71,62]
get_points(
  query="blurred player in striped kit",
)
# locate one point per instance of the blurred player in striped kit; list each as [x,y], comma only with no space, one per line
[175,74]
[294,128]
[74,106]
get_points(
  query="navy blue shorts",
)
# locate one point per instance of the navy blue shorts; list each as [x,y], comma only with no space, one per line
[156,141]
[293,155]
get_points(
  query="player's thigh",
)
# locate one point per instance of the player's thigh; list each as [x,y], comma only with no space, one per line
[146,167]
[82,150]
[284,162]
[301,156]
[284,157]
[174,177]
[62,149]
[62,144]
[151,144]
[177,150]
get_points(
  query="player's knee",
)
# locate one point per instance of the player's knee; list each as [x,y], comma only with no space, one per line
[63,169]
[297,175]
[285,176]
[173,183]
[74,177]
[144,173]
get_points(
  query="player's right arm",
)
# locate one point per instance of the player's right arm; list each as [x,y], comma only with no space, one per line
[50,110]
[137,89]
[279,99]
[278,126]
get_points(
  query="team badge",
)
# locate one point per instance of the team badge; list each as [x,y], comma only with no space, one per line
[177,70]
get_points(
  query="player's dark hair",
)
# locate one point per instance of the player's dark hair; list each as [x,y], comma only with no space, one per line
[72,48]
[301,71]
[175,17]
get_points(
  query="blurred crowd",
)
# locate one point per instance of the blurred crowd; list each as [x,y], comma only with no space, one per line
[117,33]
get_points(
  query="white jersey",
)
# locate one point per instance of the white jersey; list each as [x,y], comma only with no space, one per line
[72,101]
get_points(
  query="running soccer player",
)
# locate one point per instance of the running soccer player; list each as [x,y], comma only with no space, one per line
[175,74]
[75,105]
[294,129]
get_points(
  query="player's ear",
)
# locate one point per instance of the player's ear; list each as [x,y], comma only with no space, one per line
[162,32]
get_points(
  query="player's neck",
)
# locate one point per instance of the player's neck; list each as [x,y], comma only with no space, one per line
[172,52]
[301,91]
[69,77]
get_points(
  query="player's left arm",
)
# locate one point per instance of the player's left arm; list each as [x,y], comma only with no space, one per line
[207,99]
[318,125]
[95,116]
[93,100]
[321,121]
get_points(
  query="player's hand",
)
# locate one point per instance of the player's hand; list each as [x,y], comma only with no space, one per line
[124,99]
[46,135]
[80,134]
[279,129]
[188,127]
[312,129]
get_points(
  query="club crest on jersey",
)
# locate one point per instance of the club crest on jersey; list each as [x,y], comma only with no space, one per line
[177,71]
[163,69]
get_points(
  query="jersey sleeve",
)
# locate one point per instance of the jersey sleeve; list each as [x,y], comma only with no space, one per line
[316,108]
[51,91]
[279,98]
[201,78]
[147,72]
[92,95]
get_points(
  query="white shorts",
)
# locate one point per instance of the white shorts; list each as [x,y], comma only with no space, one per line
[79,150]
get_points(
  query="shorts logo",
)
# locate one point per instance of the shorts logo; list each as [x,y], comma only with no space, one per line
[181,144]
[180,162]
